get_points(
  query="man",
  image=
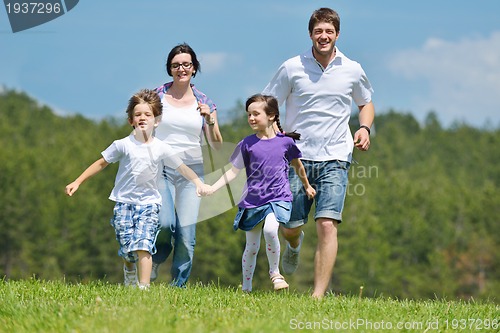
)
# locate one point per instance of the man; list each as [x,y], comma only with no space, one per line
[318,87]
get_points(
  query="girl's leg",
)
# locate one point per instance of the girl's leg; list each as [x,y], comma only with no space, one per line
[249,258]
[271,227]
[145,263]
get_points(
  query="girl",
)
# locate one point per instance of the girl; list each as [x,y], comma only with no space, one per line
[266,156]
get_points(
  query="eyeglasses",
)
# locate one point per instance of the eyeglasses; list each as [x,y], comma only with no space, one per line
[185,65]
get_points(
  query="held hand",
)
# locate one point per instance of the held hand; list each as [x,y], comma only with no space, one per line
[71,188]
[310,192]
[205,190]
[362,139]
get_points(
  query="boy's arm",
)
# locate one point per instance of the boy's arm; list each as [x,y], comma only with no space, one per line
[93,169]
[189,174]
[301,172]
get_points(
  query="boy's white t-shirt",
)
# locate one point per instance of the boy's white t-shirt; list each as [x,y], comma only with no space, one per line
[139,167]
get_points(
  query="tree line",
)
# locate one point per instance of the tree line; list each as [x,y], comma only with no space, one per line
[420,219]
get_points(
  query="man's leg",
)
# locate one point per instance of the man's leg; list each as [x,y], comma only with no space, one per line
[325,256]
[292,232]
[292,236]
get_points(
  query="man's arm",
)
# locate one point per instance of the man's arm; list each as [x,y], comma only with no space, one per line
[366,117]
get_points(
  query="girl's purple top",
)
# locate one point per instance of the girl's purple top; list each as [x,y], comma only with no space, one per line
[266,163]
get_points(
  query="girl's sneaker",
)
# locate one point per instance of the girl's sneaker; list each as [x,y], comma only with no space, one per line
[279,281]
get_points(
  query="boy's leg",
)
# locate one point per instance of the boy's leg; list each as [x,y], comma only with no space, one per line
[145,264]
[122,222]
[129,274]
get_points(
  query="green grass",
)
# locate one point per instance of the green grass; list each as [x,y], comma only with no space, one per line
[55,306]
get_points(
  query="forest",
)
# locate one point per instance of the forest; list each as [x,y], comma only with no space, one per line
[420,218]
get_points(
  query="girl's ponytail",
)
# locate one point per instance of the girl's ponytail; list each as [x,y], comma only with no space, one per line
[294,135]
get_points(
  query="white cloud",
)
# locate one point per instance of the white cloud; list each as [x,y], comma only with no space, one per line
[213,62]
[462,78]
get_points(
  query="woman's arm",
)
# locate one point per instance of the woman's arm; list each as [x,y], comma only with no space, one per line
[214,137]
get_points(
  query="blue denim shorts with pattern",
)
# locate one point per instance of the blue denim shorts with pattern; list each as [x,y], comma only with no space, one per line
[136,228]
[329,179]
[247,218]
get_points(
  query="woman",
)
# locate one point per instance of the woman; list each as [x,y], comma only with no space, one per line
[187,113]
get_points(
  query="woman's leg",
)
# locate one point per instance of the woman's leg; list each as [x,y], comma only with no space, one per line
[187,205]
[167,220]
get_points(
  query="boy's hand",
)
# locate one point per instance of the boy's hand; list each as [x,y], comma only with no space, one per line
[310,192]
[205,190]
[71,188]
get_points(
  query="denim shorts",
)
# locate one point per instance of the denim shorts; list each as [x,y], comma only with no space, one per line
[136,228]
[247,218]
[329,179]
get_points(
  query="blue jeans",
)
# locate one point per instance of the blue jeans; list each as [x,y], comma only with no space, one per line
[330,179]
[178,216]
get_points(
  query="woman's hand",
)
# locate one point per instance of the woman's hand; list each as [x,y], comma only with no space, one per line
[205,112]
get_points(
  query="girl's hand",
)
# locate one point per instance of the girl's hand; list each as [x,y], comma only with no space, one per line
[205,190]
[310,192]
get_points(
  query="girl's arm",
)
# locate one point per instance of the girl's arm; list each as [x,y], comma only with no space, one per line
[226,178]
[301,172]
[93,169]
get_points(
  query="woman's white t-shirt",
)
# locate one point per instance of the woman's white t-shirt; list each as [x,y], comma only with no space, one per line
[181,128]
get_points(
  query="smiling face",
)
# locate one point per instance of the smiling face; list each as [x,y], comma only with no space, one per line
[182,67]
[258,120]
[324,36]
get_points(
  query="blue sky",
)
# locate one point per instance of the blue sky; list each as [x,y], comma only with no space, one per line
[419,55]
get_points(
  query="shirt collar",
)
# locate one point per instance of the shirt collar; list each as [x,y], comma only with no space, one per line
[337,59]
